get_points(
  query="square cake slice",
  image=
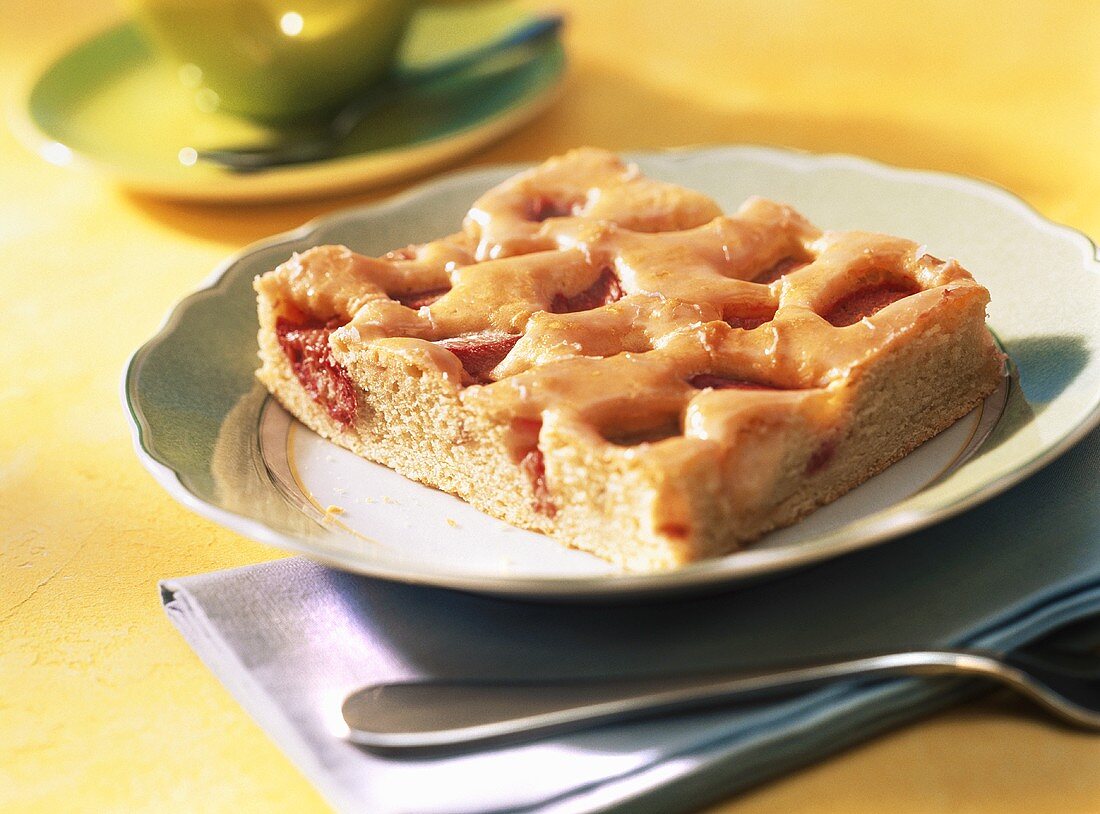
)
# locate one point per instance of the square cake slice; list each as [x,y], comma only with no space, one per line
[612,361]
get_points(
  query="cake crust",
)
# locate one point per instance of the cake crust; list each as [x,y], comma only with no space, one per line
[612,361]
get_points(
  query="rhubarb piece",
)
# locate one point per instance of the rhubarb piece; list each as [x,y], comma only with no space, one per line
[748,321]
[326,381]
[481,352]
[544,207]
[530,460]
[784,266]
[606,290]
[821,457]
[418,299]
[533,465]
[705,380]
[866,302]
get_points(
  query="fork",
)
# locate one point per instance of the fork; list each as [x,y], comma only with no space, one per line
[429,716]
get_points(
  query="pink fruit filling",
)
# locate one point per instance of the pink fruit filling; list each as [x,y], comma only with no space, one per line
[606,290]
[542,207]
[784,266]
[705,380]
[821,457]
[418,299]
[867,301]
[323,378]
[532,463]
[480,353]
[748,321]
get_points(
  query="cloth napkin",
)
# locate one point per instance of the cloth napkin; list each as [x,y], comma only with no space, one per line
[290,638]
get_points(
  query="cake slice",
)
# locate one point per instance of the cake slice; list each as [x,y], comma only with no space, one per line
[612,361]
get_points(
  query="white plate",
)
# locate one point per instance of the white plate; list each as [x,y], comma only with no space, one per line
[217,442]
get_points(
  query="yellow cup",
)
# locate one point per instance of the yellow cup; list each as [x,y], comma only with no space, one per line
[277,60]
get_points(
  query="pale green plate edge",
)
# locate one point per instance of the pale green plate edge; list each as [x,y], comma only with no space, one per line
[35,114]
[724,571]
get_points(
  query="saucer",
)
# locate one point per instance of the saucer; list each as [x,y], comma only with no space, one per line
[115,105]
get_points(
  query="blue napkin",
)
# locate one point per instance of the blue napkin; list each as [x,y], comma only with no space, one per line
[290,638]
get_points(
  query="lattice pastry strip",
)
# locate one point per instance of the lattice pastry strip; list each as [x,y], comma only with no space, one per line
[611,360]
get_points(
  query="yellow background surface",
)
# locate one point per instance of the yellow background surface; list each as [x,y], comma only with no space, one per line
[102,704]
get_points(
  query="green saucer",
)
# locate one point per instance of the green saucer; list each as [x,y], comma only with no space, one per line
[114,104]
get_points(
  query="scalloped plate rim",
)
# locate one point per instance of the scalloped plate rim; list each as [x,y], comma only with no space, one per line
[745,565]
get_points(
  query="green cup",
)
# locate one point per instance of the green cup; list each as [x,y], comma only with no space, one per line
[277,60]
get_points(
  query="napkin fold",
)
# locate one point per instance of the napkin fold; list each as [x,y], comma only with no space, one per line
[290,639]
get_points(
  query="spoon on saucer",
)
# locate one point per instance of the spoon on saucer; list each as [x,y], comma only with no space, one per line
[305,142]
[437,716]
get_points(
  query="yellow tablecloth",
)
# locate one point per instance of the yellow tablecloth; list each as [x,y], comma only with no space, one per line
[103,706]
